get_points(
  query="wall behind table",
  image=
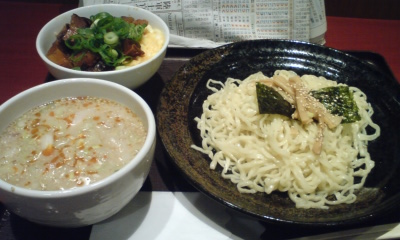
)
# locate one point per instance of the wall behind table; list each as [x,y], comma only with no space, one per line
[374,9]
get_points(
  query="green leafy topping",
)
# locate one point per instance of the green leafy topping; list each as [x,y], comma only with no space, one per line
[270,101]
[338,100]
[105,37]
[111,38]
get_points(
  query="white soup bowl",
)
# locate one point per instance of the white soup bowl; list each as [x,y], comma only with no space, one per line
[92,203]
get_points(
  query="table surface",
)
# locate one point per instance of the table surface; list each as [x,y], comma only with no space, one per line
[376,41]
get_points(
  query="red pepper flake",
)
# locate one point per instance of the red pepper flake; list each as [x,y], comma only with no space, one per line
[48,151]
[76,159]
[59,164]
[93,160]
[54,159]
[34,130]
[69,118]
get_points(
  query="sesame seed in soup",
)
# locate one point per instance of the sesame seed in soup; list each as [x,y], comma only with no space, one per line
[68,143]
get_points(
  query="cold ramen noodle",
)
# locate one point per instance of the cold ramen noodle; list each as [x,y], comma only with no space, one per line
[306,136]
[104,42]
[68,143]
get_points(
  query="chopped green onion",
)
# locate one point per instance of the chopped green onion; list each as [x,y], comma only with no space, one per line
[94,23]
[100,16]
[75,42]
[104,37]
[114,53]
[120,67]
[111,38]
[78,56]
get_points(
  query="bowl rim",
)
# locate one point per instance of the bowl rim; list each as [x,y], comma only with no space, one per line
[42,32]
[136,160]
[184,79]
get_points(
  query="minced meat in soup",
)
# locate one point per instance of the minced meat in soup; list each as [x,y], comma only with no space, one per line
[68,143]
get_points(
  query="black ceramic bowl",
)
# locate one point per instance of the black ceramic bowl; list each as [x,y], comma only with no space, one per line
[182,99]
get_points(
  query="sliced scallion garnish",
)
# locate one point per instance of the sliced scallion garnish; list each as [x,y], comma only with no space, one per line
[111,38]
[105,37]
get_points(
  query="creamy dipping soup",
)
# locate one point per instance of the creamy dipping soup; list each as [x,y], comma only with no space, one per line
[69,142]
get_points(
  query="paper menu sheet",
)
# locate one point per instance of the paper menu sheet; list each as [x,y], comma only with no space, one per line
[223,21]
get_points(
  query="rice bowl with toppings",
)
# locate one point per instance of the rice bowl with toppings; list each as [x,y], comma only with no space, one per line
[132,76]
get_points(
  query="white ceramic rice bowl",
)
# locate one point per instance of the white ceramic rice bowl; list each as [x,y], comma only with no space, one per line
[131,77]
